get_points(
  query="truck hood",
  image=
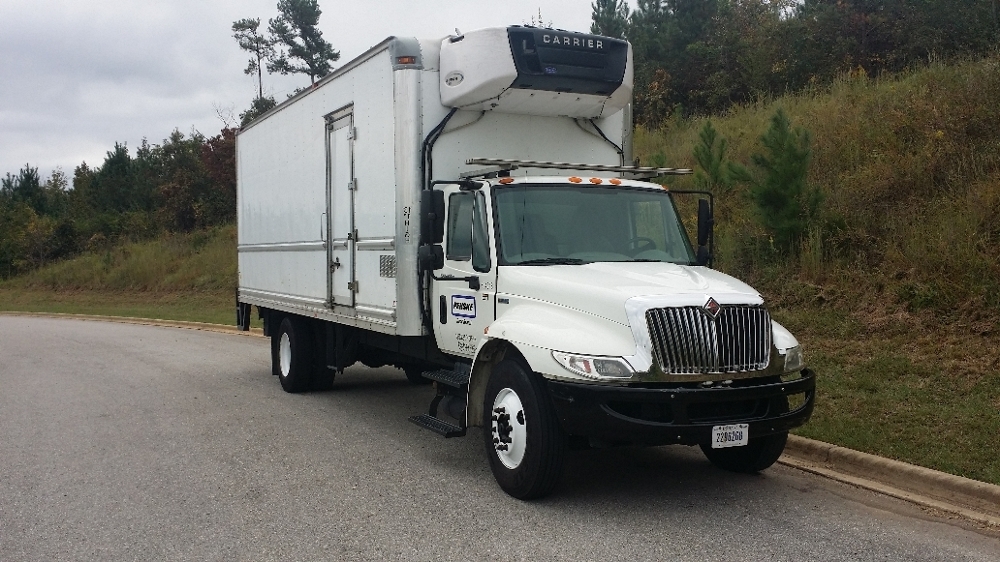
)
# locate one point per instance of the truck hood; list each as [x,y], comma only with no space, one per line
[602,288]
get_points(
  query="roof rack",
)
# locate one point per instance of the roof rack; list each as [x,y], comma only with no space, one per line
[631,172]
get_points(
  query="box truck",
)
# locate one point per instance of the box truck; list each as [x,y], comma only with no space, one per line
[464,209]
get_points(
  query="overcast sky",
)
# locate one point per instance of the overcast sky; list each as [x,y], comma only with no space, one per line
[76,76]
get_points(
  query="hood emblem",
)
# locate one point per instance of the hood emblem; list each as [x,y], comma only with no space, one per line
[712,308]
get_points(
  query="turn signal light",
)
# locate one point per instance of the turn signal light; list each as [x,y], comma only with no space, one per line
[406,60]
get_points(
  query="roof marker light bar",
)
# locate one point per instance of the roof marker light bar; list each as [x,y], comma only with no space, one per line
[634,171]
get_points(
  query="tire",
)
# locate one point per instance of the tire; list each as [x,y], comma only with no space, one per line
[524,443]
[292,355]
[415,375]
[758,454]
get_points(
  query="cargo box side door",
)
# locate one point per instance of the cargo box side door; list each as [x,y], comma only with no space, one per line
[340,206]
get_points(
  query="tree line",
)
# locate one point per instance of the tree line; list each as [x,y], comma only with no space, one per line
[698,57]
[186,183]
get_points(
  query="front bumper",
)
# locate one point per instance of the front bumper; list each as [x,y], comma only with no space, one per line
[667,414]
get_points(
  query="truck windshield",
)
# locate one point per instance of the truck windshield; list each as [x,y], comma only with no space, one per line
[574,224]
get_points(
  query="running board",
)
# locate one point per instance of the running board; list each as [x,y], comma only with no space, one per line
[456,379]
[452,383]
[438,426]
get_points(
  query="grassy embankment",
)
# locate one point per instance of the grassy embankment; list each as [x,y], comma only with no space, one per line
[895,297]
[177,277]
[896,293]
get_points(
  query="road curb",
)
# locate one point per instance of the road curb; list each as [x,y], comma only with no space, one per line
[963,497]
[967,498]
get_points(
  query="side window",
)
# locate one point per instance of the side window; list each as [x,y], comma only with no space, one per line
[460,208]
[480,240]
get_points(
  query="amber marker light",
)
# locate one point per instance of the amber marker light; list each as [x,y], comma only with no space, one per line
[615,181]
[406,60]
[595,180]
[505,181]
[575,179]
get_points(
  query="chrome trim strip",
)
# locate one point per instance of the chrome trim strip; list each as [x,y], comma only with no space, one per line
[376,244]
[310,246]
[304,306]
[294,300]
[376,311]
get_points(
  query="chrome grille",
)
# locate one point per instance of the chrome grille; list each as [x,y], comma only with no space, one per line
[687,341]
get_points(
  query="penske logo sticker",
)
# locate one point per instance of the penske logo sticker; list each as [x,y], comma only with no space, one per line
[463,306]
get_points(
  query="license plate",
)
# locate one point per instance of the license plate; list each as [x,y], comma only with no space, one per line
[735,435]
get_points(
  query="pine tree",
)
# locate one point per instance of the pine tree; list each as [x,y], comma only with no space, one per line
[714,173]
[259,46]
[295,29]
[786,204]
[610,18]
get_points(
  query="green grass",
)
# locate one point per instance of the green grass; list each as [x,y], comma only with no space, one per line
[891,405]
[198,262]
[214,308]
[930,397]
[176,277]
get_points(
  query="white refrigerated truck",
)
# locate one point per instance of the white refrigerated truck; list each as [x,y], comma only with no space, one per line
[462,209]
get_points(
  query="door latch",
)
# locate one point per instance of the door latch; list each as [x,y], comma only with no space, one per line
[352,286]
[335,264]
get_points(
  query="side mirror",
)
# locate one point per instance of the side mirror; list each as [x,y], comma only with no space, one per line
[430,257]
[431,217]
[706,224]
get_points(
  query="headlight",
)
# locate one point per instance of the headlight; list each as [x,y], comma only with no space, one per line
[794,360]
[594,367]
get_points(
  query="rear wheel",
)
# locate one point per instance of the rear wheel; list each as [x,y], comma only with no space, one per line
[524,443]
[293,355]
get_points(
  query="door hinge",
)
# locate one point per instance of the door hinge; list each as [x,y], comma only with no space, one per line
[353,235]
[353,185]
[352,286]
[352,133]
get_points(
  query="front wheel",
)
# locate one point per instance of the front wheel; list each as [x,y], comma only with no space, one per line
[759,453]
[524,443]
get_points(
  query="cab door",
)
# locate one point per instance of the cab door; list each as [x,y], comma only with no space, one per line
[465,288]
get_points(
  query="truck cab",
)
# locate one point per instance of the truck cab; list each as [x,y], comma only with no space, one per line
[606,325]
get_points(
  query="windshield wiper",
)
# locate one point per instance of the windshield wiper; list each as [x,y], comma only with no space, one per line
[647,260]
[553,261]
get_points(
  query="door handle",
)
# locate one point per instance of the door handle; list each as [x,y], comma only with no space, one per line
[472,279]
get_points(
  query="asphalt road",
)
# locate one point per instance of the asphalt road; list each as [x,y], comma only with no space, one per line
[123,442]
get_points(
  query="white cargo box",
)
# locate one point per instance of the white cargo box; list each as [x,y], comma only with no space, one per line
[328,182]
